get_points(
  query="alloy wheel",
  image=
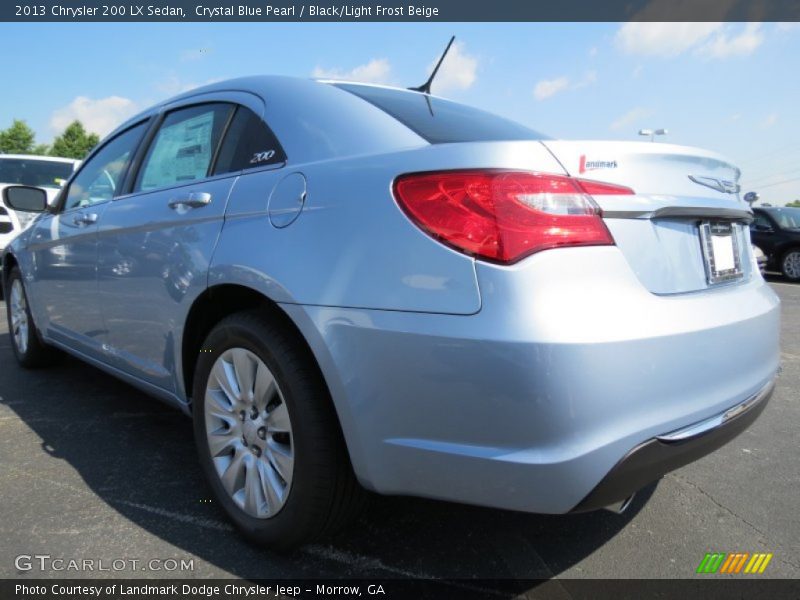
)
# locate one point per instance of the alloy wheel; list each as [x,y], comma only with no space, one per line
[791,264]
[249,433]
[19,316]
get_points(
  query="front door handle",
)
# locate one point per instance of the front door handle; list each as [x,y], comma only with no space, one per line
[191,200]
[83,219]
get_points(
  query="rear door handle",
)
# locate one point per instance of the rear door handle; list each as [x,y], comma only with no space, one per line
[191,200]
[85,219]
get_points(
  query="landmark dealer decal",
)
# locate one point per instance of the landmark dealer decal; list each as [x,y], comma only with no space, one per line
[593,165]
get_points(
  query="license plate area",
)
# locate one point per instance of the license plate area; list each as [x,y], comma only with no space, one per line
[721,251]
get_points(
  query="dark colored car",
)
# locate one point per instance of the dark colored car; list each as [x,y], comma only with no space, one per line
[776,230]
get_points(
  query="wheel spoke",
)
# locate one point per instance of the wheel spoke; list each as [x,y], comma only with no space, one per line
[225,417]
[15,295]
[281,459]
[271,487]
[221,442]
[220,400]
[225,381]
[265,387]
[233,477]
[253,494]
[278,419]
[244,369]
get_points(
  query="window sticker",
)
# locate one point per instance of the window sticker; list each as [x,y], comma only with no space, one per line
[181,153]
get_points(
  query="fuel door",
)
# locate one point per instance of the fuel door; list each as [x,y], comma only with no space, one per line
[287,200]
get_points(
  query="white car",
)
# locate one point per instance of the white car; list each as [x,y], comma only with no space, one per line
[47,172]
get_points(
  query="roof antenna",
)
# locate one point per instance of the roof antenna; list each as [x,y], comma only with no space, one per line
[425,88]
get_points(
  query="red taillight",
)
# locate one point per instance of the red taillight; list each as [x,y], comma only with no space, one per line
[504,216]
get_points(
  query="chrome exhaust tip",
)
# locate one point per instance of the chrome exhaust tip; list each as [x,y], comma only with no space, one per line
[620,507]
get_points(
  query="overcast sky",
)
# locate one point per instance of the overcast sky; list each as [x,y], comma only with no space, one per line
[732,88]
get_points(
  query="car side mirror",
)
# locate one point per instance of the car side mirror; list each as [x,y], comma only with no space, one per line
[764,229]
[25,198]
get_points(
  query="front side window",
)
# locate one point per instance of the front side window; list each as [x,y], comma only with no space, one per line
[760,223]
[101,177]
[184,147]
[248,143]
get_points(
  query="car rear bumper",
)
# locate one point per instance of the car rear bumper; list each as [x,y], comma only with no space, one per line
[658,456]
[530,403]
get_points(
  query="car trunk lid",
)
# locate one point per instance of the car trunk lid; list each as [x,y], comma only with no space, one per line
[684,206]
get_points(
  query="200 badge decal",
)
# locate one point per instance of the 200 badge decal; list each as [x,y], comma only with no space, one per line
[262,156]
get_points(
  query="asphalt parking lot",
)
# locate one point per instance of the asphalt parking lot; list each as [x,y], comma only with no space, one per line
[92,468]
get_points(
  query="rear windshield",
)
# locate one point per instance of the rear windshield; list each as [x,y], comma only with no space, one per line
[441,121]
[41,173]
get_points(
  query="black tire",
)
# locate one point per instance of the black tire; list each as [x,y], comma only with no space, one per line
[36,353]
[792,274]
[324,494]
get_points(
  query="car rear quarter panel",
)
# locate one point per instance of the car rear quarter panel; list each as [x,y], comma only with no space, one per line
[352,245]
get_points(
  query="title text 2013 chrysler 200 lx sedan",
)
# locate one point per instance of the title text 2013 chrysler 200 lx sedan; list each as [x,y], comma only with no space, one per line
[353,285]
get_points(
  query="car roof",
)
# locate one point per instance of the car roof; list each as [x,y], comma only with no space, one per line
[264,86]
[268,85]
[375,85]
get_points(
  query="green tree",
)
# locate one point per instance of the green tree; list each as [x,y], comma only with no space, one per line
[17,139]
[794,203]
[74,142]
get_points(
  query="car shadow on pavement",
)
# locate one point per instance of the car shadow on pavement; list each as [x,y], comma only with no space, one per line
[135,455]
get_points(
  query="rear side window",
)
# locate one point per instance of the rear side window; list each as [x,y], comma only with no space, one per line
[184,146]
[787,218]
[441,121]
[248,143]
